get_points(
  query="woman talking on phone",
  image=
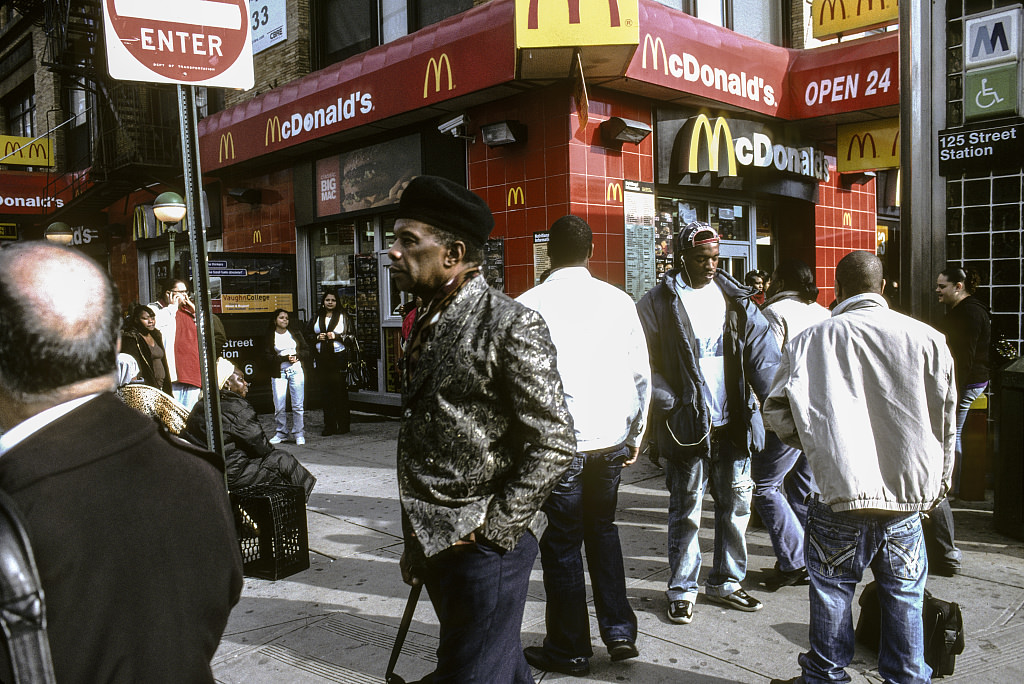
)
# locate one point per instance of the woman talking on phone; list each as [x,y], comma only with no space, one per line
[332,336]
[286,350]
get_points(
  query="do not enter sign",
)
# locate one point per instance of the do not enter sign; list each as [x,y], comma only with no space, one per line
[193,42]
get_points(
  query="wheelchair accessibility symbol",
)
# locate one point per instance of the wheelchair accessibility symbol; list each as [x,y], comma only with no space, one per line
[987,95]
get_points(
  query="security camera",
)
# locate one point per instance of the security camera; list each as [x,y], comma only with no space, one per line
[452,126]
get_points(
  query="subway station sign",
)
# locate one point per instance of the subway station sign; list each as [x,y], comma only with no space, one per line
[981,148]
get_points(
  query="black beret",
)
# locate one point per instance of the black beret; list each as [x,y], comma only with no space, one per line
[446,205]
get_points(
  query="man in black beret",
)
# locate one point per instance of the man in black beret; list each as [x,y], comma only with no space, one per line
[485,434]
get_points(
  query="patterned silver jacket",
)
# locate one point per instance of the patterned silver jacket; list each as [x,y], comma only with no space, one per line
[485,432]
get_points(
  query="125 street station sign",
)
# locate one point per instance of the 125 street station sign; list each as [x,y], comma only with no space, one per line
[192,42]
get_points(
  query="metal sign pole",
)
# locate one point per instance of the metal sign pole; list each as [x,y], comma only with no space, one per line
[200,274]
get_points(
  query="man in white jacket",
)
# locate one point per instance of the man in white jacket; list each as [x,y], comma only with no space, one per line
[869,396]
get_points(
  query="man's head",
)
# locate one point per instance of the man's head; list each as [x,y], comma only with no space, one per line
[570,242]
[174,289]
[858,273]
[59,323]
[697,248]
[230,378]
[440,231]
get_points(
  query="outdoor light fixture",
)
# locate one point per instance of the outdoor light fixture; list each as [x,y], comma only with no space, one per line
[246,195]
[617,130]
[169,207]
[848,180]
[503,133]
[60,233]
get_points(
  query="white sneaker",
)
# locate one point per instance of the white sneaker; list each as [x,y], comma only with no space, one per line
[300,440]
[276,439]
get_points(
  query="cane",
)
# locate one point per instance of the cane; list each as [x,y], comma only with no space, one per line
[410,608]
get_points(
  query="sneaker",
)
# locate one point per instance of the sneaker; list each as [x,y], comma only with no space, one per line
[622,649]
[276,439]
[300,440]
[788,578]
[739,599]
[538,658]
[680,612]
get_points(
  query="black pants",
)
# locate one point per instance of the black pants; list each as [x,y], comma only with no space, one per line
[332,370]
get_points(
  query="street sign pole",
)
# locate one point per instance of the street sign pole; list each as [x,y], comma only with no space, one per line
[200,275]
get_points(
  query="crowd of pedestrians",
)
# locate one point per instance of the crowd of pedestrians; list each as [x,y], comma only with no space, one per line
[515,414]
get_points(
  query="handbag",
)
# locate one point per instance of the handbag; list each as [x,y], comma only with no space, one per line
[357,376]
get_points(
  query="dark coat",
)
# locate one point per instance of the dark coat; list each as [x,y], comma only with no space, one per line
[135,543]
[751,359]
[485,432]
[132,342]
[968,330]
[328,360]
[273,361]
[249,456]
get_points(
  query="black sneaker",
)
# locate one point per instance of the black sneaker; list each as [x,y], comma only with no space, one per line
[739,599]
[537,657]
[680,612]
[788,578]
[622,649]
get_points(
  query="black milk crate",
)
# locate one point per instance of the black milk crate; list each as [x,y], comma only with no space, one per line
[271,524]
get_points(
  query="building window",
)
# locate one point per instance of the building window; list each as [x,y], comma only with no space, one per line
[20,112]
[429,12]
[349,27]
[759,19]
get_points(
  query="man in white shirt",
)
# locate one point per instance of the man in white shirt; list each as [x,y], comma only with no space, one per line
[606,377]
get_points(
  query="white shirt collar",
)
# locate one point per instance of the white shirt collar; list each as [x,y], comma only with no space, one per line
[873,297]
[30,426]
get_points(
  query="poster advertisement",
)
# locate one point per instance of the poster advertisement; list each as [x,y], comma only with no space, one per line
[541,262]
[643,251]
[372,176]
[494,263]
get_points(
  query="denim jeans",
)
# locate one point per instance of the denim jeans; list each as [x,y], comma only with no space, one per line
[728,472]
[293,382]
[581,512]
[185,394]
[479,594]
[840,546]
[782,482]
[963,407]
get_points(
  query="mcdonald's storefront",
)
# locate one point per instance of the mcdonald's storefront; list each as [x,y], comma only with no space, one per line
[637,127]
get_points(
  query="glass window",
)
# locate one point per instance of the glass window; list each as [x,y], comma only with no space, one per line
[393,19]
[731,221]
[758,19]
[711,11]
[334,249]
[432,11]
[349,27]
[20,110]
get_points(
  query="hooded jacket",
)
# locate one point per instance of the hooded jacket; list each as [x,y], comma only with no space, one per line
[680,419]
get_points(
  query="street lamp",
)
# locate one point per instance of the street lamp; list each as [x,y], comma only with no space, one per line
[60,233]
[169,208]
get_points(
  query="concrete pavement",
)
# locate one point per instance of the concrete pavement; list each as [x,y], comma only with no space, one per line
[336,621]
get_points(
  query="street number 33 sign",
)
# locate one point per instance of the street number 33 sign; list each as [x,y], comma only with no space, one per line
[192,42]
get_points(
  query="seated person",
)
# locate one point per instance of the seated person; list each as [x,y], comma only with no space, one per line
[249,456]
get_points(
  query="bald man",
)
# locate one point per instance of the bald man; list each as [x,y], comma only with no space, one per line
[131,528]
[868,395]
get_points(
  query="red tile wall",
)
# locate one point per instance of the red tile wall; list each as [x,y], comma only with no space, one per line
[267,227]
[845,220]
[561,169]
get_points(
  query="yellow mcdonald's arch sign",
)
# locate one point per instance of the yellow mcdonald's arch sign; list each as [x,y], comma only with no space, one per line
[273,133]
[515,196]
[868,146]
[835,17]
[226,147]
[717,138]
[26,151]
[847,219]
[614,192]
[655,44]
[577,23]
[257,236]
[434,66]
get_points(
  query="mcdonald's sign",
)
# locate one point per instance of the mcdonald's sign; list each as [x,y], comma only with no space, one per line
[868,146]
[847,219]
[26,151]
[717,138]
[515,196]
[434,66]
[614,192]
[576,23]
[834,17]
[226,147]
[655,44]
[273,132]
[257,236]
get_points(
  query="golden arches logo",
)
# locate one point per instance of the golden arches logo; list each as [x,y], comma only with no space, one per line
[614,192]
[715,137]
[257,236]
[434,65]
[655,44]
[226,147]
[870,3]
[895,144]
[515,196]
[273,132]
[831,4]
[847,219]
[862,143]
[27,150]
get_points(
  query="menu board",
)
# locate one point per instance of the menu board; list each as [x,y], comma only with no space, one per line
[368,309]
[641,252]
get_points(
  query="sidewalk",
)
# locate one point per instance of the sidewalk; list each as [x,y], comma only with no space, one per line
[336,621]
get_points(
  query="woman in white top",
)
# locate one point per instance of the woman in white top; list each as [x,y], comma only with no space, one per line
[286,350]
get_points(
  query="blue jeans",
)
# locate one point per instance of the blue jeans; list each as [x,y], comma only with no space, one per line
[479,593]
[963,407]
[840,546]
[581,511]
[782,482]
[292,382]
[728,472]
